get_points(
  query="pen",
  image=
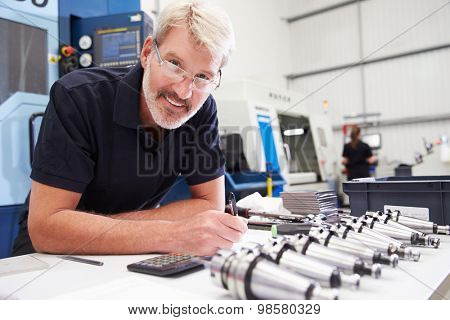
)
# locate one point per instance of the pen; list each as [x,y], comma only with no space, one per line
[232,203]
[82,260]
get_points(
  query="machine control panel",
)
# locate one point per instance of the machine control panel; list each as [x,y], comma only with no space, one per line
[109,41]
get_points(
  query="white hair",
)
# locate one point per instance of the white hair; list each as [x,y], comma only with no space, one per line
[209,26]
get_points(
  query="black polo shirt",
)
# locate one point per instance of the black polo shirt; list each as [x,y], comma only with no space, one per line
[357,165]
[91,142]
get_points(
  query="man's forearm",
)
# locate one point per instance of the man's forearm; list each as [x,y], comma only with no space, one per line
[173,211]
[73,232]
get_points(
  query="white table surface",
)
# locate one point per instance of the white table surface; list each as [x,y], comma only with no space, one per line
[72,280]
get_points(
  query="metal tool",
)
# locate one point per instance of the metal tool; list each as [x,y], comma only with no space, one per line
[82,260]
[387,219]
[331,240]
[283,254]
[247,275]
[292,228]
[407,253]
[310,247]
[389,248]
[247,213]
[403,236]
[420,225]
[413,238]
[427,240]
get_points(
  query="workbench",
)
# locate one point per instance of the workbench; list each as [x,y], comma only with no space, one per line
[71,280]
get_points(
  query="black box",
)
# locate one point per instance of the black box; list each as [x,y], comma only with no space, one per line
[432,192]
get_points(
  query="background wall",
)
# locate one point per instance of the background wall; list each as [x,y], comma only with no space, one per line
[313,40]
[263,51]
[411,91]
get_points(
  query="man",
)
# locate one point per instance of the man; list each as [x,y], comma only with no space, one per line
[113,141]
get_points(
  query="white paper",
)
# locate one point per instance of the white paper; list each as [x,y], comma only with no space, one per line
[258,203]
[21,264]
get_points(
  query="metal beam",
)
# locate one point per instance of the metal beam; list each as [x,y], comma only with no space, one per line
[322,10]
[397,122]
[367,62]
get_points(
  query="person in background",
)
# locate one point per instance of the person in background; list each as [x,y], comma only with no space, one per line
[357,156]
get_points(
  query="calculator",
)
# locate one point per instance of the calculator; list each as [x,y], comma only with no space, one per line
[166,265]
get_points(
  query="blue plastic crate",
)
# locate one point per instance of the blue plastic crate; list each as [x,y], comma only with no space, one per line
[241,183]
[432,192]
[244,183]
[9,227]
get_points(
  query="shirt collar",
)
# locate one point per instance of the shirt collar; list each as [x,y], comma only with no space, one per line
[127,100]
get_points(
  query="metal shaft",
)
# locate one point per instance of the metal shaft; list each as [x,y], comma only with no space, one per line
[331,240]
[308,246]
[421,225]
[269,281]
[282,253]
[399,234]
[252,213]
[407,253]
[424,239]
[248,276]
[347,233]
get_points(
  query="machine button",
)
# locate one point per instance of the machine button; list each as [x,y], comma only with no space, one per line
[85,42]
[86,60]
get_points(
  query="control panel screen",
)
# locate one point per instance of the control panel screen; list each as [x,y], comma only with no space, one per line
[117,47]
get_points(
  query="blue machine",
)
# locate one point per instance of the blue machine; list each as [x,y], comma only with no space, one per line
[31,34]
[29,37]
[239,179]
[102,33]
[112,40]
[270,152]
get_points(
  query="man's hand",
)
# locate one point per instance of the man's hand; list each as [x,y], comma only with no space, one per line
[205,233]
